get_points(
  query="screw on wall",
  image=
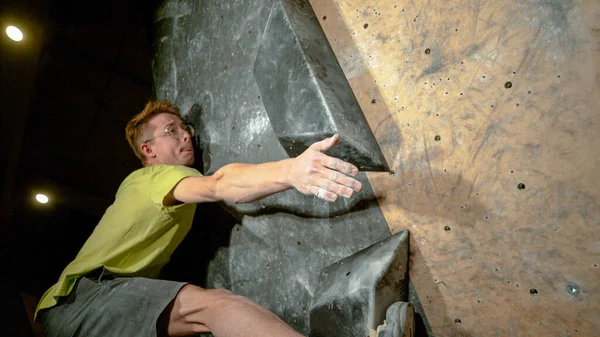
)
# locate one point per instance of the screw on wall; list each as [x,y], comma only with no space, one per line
[573,289]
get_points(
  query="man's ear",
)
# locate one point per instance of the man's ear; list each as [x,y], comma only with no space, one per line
[147,151]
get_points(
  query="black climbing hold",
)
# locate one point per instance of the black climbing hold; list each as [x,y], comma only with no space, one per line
[521,186]
[447,228]
[309,97]
[508,85]
[427,51]
[325,17]
[533,291]
[366,25]
[457,321]
[348,273]
[373,101]
[350,306]
[437,138]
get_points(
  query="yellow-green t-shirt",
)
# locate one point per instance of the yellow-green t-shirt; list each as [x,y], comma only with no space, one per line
[137,234]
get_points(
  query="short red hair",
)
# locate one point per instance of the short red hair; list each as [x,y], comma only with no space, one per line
[135,127]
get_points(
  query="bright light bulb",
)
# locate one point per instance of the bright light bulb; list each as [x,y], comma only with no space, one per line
[14,33]
[42,198]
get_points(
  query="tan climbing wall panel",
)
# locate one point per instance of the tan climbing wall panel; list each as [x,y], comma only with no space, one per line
[468,100]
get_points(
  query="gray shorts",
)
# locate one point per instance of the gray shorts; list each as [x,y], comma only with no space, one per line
[102,305]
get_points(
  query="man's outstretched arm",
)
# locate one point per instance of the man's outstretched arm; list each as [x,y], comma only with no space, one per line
[240,183]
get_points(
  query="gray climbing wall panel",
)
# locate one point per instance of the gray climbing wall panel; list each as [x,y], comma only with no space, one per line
[204,57]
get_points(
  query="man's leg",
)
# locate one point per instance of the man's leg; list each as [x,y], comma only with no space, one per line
[196,310]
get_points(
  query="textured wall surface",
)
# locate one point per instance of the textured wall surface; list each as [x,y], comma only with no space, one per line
[488,95]
[272,250]
[488,114]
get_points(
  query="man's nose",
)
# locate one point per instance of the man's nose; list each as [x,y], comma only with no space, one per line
[184,134]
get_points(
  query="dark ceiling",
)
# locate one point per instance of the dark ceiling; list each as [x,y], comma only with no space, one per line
[68,89]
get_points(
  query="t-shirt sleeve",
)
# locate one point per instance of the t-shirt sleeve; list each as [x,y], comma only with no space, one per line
[166,177]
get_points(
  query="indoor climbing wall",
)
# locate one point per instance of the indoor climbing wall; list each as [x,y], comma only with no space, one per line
[488,114]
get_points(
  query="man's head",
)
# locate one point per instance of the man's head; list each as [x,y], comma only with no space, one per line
[158,136]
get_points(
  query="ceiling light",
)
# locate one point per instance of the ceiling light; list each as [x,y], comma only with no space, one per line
[14,33]
[42,198]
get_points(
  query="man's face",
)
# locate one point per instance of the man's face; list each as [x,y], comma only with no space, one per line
[171,143]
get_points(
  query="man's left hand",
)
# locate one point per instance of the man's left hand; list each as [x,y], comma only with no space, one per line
[316,173]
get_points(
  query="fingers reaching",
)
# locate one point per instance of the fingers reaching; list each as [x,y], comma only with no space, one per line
[322,193]
[326,143]
[330,189]
[340,165]
[344,180]
[324,176]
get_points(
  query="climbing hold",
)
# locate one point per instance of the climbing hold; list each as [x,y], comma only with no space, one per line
[427,51]
[521,186]
[351,298]
[305,92]
[437,138]
[508,85]
[533,291]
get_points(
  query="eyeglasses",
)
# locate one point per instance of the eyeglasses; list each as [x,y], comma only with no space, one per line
[175,131]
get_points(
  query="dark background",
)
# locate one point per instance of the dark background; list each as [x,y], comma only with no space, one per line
[67,90]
